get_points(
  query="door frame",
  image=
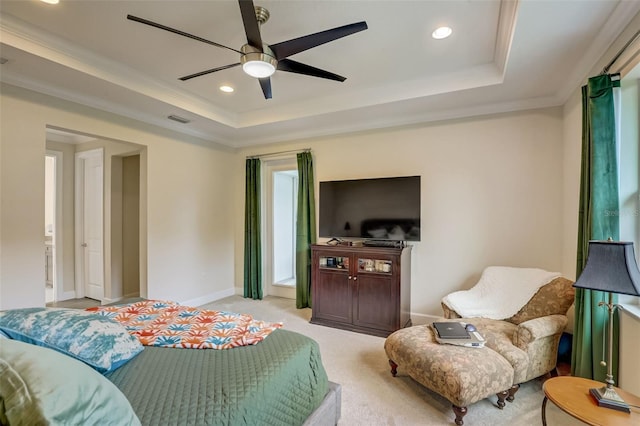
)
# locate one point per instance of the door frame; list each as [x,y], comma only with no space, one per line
[80,158]
[58,236]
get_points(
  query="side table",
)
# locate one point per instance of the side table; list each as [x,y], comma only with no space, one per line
[571,395]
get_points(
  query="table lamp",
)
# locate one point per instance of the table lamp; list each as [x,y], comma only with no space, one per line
[611,267]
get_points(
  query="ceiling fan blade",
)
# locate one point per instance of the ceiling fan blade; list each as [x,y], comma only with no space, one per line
[300,68]
[291,47]
[265,83]
[182,33]
[198,74]
[251,27]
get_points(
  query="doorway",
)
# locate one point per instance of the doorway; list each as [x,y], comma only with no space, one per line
[53,250]
[120,215]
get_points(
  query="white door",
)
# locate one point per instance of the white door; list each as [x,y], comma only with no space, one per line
[89,171]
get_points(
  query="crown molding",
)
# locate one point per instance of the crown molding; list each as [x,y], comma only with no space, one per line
[621,17]
[506,29]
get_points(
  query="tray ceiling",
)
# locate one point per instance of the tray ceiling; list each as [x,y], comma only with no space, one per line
[502,56]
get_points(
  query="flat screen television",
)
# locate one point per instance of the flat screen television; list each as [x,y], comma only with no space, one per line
[379,208]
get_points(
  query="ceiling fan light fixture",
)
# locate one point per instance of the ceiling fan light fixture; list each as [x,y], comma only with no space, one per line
[258,64]
[258,68]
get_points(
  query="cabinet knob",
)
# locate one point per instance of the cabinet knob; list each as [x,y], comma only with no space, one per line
[349,276]
[355,278]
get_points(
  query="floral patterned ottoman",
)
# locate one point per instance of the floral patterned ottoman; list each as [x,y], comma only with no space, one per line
[463,375]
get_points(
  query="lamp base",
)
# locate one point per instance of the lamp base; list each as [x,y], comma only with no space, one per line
[609,398]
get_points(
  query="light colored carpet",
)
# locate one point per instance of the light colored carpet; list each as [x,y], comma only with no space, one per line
[371,395]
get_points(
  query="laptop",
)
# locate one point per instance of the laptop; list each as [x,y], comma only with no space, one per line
[455,333]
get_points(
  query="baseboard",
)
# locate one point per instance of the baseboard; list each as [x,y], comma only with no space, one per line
[422,319]
[107,300]
[67,295]
[211,297]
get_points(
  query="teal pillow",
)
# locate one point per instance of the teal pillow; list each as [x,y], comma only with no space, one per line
[40,386]
[101,342]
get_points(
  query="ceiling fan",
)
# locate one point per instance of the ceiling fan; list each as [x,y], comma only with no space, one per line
[261,60]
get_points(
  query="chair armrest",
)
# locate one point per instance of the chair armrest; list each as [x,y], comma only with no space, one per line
[538,328]
[448,312]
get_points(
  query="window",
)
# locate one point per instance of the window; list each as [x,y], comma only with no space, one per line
[629,165]
[280,199]
[285,197]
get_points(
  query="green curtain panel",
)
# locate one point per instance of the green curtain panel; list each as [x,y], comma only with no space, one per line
[598,220]
[305,229]
[252,238]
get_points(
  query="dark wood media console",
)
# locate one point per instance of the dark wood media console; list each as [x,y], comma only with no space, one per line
[363,289]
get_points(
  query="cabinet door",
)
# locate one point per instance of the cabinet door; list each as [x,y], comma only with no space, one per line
[332,289]
[375,299]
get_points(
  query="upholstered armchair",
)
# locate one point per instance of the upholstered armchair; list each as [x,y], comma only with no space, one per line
[517,349]
[528,340]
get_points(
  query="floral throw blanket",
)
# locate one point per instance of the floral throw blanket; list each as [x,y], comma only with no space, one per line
[168,324]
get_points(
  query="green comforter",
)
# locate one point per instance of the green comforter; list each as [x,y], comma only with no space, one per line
[279,381]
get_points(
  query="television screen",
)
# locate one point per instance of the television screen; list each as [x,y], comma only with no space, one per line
[381,208]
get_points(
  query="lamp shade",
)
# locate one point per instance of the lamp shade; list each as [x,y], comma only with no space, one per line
[611,266]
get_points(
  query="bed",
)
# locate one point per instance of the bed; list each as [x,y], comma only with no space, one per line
[279,381]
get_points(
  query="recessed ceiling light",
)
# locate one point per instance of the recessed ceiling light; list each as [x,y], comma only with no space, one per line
[50,1]
[442,32]
[227,89]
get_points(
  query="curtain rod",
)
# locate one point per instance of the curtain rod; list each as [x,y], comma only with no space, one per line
[605,70]
[270,154]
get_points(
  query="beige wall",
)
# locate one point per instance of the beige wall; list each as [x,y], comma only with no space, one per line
[22,148]
[131,225]
[190,243]
[572,152]
[491,193]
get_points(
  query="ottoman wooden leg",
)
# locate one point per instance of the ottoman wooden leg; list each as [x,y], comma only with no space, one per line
[394,368]
[459,412]
[501,397]
[512,392]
